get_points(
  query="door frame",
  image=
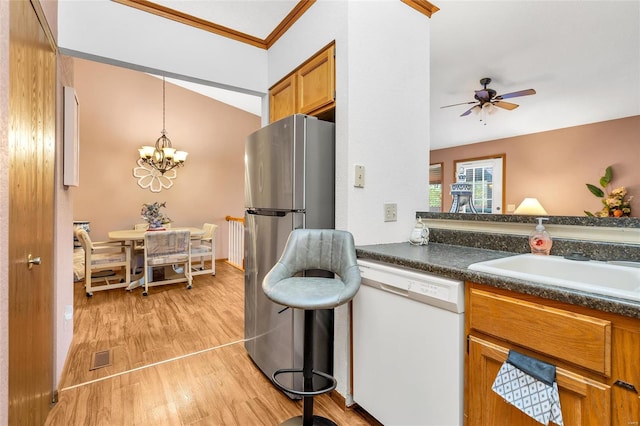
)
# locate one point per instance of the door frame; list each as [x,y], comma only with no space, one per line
[502,181]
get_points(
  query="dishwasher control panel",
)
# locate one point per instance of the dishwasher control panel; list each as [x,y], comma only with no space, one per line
[430,290]
[423,287]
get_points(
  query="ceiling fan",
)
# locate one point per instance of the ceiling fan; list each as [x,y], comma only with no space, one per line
[486,97]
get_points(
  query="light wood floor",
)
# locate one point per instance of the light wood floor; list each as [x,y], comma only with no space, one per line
[177,359]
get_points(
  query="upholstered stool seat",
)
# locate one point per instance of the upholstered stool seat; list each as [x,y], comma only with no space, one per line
[315,250]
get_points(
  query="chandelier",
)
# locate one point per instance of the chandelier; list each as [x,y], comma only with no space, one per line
[162,157]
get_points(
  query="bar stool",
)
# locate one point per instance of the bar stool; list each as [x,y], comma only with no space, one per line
[312,249]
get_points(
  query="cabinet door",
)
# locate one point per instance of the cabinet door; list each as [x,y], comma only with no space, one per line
[282,99]
[583,401]
[316,83]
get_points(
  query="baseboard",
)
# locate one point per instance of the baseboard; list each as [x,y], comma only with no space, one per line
[342,402]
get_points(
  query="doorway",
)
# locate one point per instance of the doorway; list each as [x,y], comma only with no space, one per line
[487,179]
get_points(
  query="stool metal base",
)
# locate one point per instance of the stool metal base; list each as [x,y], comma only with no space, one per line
[317,421]
[332,382]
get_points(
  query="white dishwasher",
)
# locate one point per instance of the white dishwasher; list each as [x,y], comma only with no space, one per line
[408,346]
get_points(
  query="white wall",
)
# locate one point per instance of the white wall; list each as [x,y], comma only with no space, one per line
[63,237]
[121,35]
[388,118]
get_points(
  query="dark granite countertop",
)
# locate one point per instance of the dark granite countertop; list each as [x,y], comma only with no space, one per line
[452,261]
[602,222]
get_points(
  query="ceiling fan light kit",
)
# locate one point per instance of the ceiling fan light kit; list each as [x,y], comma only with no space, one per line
[487,98]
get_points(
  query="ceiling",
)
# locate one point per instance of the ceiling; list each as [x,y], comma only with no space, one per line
[581,57]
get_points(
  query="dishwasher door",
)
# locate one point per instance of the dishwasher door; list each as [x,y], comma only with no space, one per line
[408,354]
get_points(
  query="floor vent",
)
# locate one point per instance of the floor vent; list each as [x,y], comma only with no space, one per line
[101,359]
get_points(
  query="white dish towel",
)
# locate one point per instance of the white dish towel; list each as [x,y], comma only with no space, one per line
[530,385]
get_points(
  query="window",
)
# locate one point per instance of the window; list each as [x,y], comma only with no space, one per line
[485,175]
[435,187]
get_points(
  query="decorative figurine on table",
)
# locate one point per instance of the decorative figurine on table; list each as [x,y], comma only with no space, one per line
[154,217]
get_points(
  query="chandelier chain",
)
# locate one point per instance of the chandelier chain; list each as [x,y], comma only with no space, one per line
[163,157]
[164,127]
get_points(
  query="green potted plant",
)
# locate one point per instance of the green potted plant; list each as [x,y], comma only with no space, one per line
[615,203]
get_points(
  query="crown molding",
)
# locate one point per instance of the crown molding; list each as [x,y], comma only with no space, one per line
[193,21]
[422,6]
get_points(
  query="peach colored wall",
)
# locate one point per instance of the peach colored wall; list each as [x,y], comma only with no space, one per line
[121,110]
[554,166]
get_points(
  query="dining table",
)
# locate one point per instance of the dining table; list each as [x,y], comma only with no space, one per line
[138,234]
[131,236]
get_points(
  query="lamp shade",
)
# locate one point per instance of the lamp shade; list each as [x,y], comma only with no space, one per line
[168,152]
[146,151]
[180,156]
[530,206]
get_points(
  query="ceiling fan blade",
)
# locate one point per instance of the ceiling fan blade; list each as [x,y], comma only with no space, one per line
[463,103]
[505,105]
[467,112]
[516,94]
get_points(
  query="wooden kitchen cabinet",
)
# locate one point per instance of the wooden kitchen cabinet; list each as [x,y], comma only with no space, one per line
[282,99]
[309,89]
[595,354]
[583,400]
[316,83]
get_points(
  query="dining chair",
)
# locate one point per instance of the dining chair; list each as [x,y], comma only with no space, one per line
[205,250]
[100,260]
[167,250]
[137,257]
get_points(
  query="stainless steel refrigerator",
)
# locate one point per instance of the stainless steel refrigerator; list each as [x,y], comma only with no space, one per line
[289,184]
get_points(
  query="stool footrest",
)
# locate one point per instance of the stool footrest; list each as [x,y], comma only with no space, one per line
[326,376]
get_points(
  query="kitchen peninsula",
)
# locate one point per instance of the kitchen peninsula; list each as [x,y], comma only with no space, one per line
[590,338]
[450,251]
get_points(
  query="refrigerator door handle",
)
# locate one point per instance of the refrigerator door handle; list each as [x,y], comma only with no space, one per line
[279,213]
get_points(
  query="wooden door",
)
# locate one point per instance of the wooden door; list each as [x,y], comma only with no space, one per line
[583,401]
[32,85]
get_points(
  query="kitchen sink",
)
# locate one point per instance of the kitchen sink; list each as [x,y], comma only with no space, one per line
[590,276]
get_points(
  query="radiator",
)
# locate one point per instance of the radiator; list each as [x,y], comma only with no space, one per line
[236,242]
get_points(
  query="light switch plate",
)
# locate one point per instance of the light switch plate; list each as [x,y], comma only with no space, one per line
[359,176]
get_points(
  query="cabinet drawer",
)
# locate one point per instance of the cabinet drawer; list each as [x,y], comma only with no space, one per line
[579,339]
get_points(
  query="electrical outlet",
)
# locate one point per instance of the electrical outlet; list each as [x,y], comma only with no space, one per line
[390,212]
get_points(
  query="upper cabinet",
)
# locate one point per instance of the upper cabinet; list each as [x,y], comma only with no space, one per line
[282,98]
[317,82]
[309,89]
